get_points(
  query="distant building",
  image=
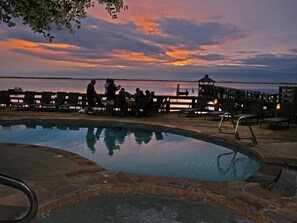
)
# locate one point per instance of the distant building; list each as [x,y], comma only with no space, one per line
[205,86]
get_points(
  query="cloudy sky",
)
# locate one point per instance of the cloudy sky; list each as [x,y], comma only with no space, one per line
[231,40]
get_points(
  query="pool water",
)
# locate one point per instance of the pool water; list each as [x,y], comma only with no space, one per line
[140,150]
[145,209]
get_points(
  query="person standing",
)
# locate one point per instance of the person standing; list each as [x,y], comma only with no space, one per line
[137,90]
[112,89]
[92,96]
[106,86]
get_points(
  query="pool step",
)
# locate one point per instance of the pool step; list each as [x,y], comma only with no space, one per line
[287,183]
[266,176]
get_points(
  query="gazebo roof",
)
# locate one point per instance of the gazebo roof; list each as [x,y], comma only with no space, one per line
[206,79]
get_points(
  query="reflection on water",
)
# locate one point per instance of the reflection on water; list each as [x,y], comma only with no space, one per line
[115,136]
[92,137]
[139,150]
[232,161]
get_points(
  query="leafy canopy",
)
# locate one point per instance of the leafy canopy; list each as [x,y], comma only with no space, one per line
[42,15]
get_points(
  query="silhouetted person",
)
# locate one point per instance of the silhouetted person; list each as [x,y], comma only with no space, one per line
[137,90]
[112,88]
[92,96]
[106,86]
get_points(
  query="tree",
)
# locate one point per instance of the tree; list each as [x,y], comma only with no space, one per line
[43,15]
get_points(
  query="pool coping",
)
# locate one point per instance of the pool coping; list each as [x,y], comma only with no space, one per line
[247,198]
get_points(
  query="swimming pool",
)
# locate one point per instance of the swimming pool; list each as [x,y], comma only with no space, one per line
[140,149]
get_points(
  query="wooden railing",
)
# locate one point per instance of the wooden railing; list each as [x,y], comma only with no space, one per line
[171,103]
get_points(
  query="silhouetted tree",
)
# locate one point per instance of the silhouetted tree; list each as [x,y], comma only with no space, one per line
[43,15]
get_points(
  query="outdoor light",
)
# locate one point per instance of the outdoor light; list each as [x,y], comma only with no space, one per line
[215,101]
[278,106]
[167,99]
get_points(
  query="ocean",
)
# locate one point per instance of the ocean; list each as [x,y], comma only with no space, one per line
[160,87]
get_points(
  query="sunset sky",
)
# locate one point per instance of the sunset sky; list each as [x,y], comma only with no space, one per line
[231,40]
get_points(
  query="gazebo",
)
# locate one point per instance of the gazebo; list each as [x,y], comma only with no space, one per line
[204,84]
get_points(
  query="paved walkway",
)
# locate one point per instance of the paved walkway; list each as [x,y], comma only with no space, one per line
[60,177]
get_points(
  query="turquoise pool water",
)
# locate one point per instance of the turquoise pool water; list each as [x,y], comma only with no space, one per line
[142,150]
[145,209]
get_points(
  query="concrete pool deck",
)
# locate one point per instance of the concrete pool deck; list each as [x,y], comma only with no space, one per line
[60,177]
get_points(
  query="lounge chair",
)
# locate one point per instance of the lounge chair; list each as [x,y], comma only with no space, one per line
[285,115]
[46,97]
[227,105]
[252,110]
[198,109]
[25,103]
[71,101]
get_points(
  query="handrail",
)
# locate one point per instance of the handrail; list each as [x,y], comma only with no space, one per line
[236,128]
[22,186]
[253,138]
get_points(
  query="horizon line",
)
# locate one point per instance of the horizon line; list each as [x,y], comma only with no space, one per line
[163,80]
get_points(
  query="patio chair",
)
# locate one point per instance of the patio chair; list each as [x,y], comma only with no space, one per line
[252,110]
[141,106]
[120,105]
[156,106]
[59,99]
[46,97]
[198,109]
[159,106]
[228,105]
[285,115]
[25,103]
[71,101]
[99,105]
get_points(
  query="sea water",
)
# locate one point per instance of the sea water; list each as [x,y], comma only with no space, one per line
[160,87]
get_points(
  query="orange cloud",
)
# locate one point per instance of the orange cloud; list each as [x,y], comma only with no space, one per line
[134,56]
[59,46]
[182,57]
[179,54]
[16,43]
[148,26]
[33,46]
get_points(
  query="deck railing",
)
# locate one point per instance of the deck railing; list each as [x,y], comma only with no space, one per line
[171,103]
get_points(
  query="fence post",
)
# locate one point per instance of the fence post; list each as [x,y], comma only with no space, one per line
[168,104]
